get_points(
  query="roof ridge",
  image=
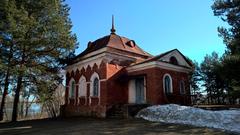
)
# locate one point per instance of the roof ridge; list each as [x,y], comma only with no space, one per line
[122,41]
[118,37]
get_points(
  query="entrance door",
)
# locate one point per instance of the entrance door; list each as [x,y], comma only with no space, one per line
[139,86]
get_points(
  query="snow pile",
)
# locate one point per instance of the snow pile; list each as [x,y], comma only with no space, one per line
[172,113]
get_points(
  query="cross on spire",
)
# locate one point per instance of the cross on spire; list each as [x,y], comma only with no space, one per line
[113,30]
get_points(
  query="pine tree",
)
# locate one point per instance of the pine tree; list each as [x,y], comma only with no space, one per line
[42,34]
[195,78]
[6,49]
[211,77]
[229,11]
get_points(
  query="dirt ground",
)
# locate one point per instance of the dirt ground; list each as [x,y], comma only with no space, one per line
[91,126]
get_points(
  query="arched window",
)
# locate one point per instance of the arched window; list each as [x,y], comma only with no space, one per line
[182,87]
[173,60]
[82,87]
[95,87]
[72,89]
[167,84]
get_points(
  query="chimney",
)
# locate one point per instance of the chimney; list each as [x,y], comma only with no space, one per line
[89,44]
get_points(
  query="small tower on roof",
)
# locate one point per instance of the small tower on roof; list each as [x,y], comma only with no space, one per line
[113,29]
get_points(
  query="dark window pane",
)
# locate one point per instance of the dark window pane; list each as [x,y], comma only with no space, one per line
[95,87]
[173,60]
[72,89]
[167,84]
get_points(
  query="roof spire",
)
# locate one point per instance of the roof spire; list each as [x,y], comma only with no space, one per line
[113,30]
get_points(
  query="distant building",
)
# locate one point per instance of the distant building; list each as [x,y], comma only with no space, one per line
[114,70]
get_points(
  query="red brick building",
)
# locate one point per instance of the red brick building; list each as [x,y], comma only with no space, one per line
[114,70]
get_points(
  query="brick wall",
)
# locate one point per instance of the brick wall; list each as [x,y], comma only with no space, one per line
[117,85]
[87,106]
[154,84]
[114,88]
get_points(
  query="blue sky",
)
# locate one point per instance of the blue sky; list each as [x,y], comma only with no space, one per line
[155,25]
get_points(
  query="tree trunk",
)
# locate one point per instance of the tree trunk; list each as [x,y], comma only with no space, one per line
[211,100]
[16,98]
[26,109]
[21,108]
[53,110]
[6,83]
[19,87]
[28,105]
[5,92]
[218,98]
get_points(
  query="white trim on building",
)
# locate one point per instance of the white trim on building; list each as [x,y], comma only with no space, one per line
[171,84]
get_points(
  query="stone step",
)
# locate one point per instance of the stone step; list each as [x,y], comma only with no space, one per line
[119,112]
[116,111]
[116,117]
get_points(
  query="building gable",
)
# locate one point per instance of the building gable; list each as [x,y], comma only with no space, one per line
[163,61]
[181,59]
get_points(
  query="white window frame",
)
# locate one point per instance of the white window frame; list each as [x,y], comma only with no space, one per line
[182,92]
[94,75]
[70,95]
[171,84]
[82,87]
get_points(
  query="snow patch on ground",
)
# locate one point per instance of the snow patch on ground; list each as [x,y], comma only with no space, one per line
[228,119]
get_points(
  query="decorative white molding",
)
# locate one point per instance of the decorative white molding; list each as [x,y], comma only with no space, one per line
[103,80]
[85,63]
[94,53]
[82,89]
[178,56]
[119,56]
[171,84]
[97,57]
[158,64]
[172,67]
[141,66]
